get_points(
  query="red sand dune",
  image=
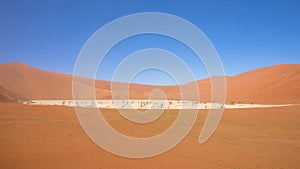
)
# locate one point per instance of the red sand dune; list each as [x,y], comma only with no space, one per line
[273,85]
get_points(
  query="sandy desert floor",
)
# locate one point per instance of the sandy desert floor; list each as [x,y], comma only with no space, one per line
[34,136]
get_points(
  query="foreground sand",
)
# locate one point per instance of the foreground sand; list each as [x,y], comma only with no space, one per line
[51,137]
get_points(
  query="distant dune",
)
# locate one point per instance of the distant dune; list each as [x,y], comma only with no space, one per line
[271,85]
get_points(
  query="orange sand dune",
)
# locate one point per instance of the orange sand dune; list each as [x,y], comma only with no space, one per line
[270,85]
[274,84]
[35,83]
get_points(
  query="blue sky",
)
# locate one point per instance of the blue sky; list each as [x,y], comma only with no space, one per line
[246,34]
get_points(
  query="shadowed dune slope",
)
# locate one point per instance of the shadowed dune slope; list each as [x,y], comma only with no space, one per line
[9,97]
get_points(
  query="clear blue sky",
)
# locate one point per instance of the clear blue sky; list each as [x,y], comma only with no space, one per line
[247,34]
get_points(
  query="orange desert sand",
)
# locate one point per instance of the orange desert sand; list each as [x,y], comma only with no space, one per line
[34,136]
